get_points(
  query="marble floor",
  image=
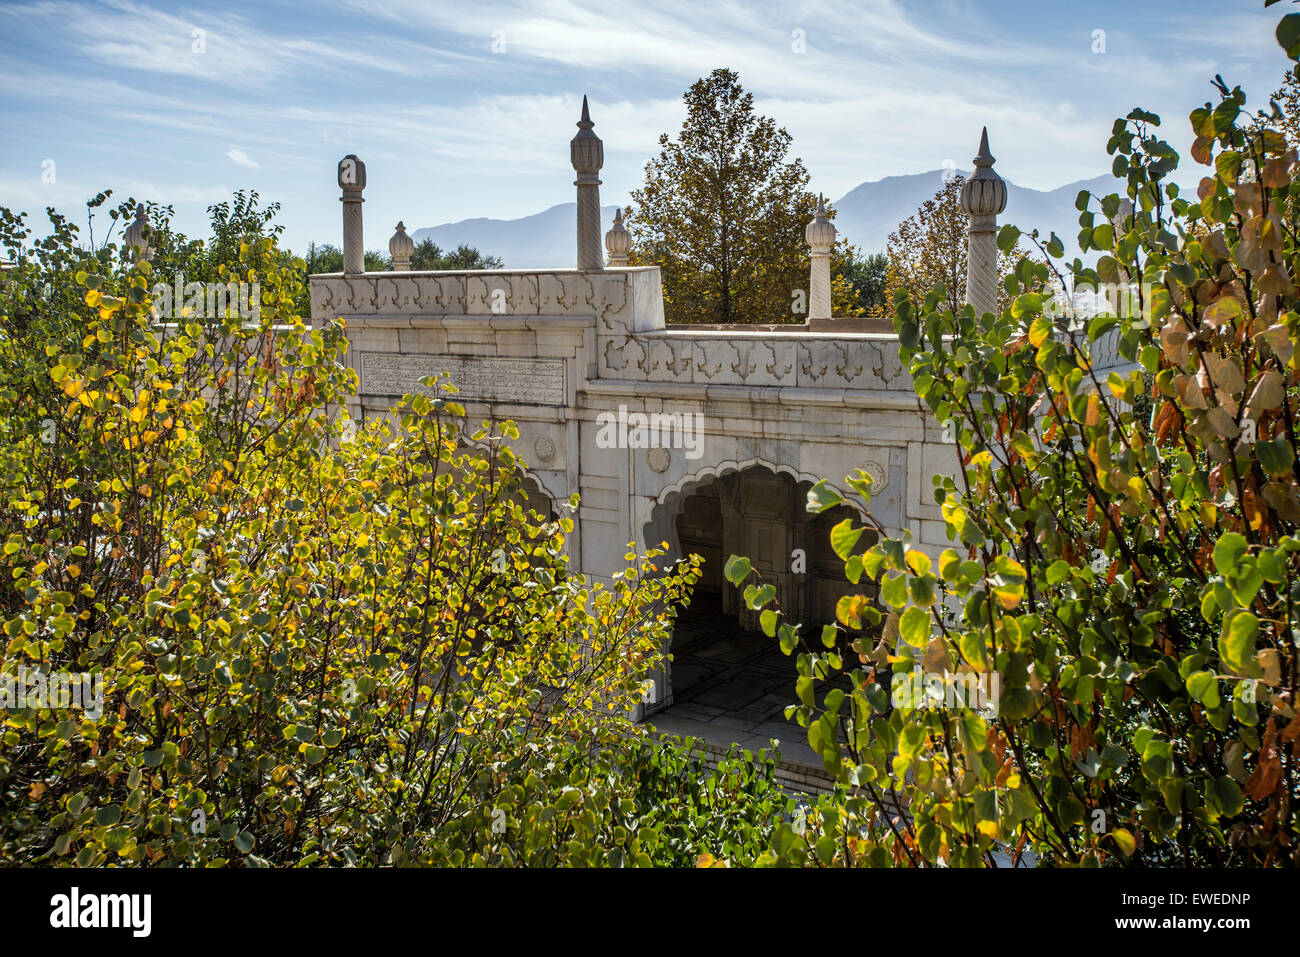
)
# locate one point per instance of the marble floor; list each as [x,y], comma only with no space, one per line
[731,686]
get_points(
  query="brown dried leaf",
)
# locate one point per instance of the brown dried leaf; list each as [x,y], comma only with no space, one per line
[1267,394]
[1279,340]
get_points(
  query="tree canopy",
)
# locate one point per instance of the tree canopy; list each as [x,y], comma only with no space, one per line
[722,213]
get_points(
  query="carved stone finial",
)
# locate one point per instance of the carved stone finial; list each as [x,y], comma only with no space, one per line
[821,231]
[983,196]
[984,193]
[352,173]
[135,240]
[587,154]
[618,241]
[586,151]
[820,234]
[401,247]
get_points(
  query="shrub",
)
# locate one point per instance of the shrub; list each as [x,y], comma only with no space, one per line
[1124,556]
[315,646]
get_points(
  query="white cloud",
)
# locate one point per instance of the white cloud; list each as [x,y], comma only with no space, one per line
[452,130]
[240,158]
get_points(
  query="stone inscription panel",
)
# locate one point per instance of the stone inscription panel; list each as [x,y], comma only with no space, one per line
[490,378]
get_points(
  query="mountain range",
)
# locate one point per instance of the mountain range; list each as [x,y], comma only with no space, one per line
[866,215]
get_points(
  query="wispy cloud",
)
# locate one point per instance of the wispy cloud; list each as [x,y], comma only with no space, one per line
[465,107]
[240,158]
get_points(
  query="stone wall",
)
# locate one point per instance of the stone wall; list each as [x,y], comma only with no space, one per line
[555,350]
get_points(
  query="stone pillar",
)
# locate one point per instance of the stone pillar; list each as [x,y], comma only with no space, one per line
[401,247]
[983,196]
[352,180]
[820,235]
[618,241]
[587,153]
[135,242]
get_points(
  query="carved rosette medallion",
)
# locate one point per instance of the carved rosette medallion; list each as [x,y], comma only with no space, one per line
[544,449]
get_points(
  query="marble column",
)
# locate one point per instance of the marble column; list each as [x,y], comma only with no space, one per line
[983,196]
[352,180]
[587,154]
[820,235]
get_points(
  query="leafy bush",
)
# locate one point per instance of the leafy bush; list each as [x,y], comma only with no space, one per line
[315,647]
[1125,559]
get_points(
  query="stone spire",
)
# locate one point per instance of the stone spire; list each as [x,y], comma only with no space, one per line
[401,247]
[587,154]
[352,180]
[983,196]
[135,240]
[820,234]
[618,241]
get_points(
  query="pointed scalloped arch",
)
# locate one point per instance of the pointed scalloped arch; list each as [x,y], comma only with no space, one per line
[661,525]
[530,477]
[689,483]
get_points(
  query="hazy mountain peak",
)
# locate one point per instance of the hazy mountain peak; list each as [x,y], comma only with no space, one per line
[866,215]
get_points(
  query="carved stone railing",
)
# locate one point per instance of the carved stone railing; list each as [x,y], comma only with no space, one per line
[632,341]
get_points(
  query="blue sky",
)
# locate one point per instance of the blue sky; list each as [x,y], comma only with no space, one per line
[465,109]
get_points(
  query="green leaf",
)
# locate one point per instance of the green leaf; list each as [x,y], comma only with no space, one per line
[1027,305]
[1008,236]
[894,590]
[1228,551]
[843,537]
[1237,644]
[1224,796]
[736,569]
[1124,840]
[914,626]
[1040,330]
[789,635]
[822,497]
[1057,572]
[1204,687]
[1275,456]
[972,649]
[1288,34]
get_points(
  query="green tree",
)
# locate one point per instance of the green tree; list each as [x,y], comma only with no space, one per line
[722,212]
[868,275]
[429,255]
[1128,579]
[326,257]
